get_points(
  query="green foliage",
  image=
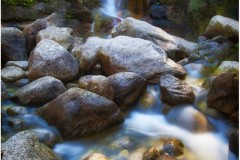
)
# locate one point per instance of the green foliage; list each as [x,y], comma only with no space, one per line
[19,2]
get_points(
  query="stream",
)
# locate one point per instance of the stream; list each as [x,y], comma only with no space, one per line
[146,124]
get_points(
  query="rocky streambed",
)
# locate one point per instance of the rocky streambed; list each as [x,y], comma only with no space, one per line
[139,93]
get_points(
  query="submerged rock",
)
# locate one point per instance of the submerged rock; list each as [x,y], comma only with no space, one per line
[96,156]
[17,110]
[97,84]
[224,93]
[39,91]
[13,44]
[51,59]
[12,74]
[77,113]
[224,26]
[122,143]
[128,87]
[61,35]
[173,147]
[21,64]
[174,91]
[175,47]
[24,145]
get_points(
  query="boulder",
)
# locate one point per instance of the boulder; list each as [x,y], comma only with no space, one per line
[224,26]
[12,74]
[151,154]
[77,113]
[39,91]
[228,66]
[224,93]
[126,54]
[61,35]
[175,47]
[24,145]
[51,59]
[21,64]
[16,124]
[13,44]
[174,91]
[16,111]
[4,93]
[128,87]
[22,82]
[97,84]
[121,143]
[30,31]
[234,142]
[82,14]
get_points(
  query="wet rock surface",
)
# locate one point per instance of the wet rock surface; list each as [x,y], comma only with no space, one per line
[78,113]
[97,84]
[13,44]
[39,91]
[151,154]
[174,91]
[128,87]
[173,147]
[51,59]
[21,64]
[12,74]
[24,145]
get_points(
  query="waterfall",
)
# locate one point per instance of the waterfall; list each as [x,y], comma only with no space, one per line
[110,8]
[93,26]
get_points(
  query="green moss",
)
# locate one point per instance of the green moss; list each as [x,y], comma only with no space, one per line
[19,2]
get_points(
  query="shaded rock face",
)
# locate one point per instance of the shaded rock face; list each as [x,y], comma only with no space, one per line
[77,113]
[175,47]
[40,91]
[30,31]
[82,14]
[234,142]
[12,74]
[174,91]
[128,87]
[61,35]
[151,154]
[50,58]
[21,64]
[223,95]
[17,110]
[138,7]
[13,44]
[97,84]
[122,54]
[24,145]
[224,26]
[4,94]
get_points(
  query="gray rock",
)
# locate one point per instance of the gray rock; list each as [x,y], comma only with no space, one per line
[16,123]
[128,87]
[4,93]
[175,47]
[174,91]
[17,110]
[224,93]
[227,66]
[13,44]
[61,35]
[24,145]
[121,143]
[224,26]
[51,59]
[77,113]
[22,82]
[234,142]
[30,31]
[39,91]
[21,64]
[12,74]
[97,84]
[126,54]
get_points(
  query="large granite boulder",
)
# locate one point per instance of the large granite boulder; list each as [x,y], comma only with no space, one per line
[25,145]
[174,91]
[97,84]
[30,31]
[128,87]
[224,26]
[51,59]
[40,91]
[224,93]
[175,47]
[12,74]
[78,113]
[61,35]
[13,44]
[126,54]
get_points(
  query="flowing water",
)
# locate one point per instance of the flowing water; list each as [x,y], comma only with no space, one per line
[145,125]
